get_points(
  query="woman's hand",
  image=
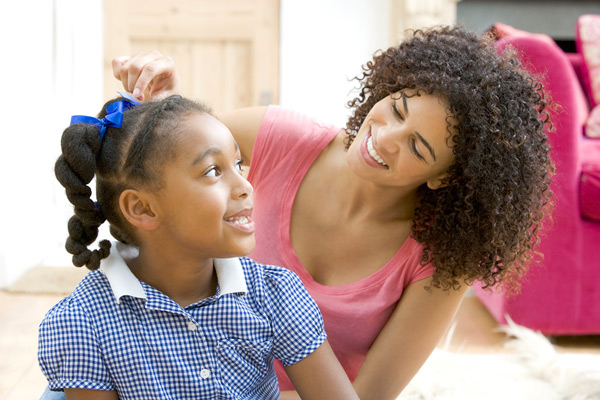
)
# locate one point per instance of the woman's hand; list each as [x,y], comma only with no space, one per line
[147,75]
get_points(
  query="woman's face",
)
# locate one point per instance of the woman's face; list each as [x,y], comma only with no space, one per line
[403,142]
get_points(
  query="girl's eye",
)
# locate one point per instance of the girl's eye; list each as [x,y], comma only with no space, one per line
[239,166]
[413,148]
[396,111]
[213,172]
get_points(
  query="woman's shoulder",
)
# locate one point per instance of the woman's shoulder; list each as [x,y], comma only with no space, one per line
[294,124]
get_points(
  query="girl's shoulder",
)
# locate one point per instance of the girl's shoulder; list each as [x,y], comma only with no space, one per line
[84,297]
[258,275]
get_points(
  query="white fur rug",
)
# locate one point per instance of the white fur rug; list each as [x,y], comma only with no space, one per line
[530,369]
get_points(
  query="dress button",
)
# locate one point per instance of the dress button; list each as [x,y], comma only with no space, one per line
[192,326]
[204,373]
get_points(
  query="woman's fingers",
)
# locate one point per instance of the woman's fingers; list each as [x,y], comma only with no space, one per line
[149,73]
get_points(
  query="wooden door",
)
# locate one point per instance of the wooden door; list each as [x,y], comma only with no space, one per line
[226,51]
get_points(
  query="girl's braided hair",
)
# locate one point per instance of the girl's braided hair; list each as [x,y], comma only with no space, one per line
[484,223]
[127,157]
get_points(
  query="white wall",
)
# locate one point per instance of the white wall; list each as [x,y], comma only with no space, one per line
[324,43]
[51,68]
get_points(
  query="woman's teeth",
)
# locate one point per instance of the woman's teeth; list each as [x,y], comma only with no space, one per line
[373,153]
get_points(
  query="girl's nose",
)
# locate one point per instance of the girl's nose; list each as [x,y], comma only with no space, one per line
[242,188]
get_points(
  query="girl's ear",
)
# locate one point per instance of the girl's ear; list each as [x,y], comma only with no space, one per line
[438,181]
[138,210]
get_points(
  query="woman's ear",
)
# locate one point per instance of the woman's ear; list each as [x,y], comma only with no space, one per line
[138,209]
[438,181]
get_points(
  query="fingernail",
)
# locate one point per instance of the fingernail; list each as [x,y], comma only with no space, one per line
[137,94]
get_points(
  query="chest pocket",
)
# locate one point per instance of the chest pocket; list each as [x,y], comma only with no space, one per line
[245,365]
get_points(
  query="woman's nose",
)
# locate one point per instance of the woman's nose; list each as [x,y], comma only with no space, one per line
[388,138]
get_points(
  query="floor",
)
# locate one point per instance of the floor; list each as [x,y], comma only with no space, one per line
[21,312]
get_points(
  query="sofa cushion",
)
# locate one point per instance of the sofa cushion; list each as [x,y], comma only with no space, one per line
[589,190]
[592,125]
[502,30]
[587,40]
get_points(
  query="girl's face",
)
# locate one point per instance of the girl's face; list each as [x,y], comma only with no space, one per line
[206,204]
[403,142]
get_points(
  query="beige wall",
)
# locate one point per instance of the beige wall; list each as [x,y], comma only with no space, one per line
[413,14]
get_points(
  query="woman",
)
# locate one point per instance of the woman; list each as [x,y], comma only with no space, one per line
[440,178]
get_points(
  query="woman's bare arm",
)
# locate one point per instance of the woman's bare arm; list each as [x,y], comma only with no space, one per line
[405,342]
[150,75]
[414,329]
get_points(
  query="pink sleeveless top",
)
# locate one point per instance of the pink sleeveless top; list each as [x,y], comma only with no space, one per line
[286,146]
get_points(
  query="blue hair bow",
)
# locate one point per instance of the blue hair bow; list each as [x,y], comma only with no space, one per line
[114,115]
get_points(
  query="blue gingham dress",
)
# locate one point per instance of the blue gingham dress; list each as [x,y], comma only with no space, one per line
[221,347]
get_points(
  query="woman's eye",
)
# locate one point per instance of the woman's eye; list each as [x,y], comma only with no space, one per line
[212,172]
[413,148]
[396,111]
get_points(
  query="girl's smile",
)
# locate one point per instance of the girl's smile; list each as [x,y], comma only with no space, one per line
[242,221]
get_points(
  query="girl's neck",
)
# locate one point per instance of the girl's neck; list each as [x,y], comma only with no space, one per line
[183,279]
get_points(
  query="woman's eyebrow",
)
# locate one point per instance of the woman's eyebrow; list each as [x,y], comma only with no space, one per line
[405,106]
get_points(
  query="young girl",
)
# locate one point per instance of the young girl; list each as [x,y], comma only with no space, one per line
[439,178]
[169,311]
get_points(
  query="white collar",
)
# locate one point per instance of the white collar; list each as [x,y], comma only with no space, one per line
[230,275]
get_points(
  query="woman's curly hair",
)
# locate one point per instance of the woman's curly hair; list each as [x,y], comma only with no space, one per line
[484,223]
[127,157]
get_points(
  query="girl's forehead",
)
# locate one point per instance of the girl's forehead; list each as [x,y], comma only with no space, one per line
[202,130]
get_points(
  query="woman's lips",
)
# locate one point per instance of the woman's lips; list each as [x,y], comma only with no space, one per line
[369,154]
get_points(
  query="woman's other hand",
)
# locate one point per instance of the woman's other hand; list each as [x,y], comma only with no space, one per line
[147,75]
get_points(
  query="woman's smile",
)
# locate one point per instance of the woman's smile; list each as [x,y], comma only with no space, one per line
[371,156]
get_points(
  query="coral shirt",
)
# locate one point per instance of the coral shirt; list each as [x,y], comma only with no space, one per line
[286,146]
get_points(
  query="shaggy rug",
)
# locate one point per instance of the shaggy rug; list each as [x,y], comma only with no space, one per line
[530,369]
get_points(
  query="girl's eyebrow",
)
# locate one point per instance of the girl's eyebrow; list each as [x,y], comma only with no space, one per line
[211,151]
[207,153]
[421,138]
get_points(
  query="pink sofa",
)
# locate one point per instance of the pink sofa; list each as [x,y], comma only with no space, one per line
[562,295]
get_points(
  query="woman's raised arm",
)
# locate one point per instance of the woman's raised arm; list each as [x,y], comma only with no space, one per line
[152,75]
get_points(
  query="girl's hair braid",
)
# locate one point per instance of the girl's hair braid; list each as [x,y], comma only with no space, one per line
[127,157]
[75,169]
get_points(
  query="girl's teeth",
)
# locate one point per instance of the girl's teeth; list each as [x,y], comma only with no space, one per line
[373,153]
[238,220]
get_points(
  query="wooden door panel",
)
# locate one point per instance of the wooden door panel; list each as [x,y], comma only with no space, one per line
[226,52]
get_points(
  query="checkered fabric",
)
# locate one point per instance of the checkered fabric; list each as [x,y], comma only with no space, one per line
[151,348]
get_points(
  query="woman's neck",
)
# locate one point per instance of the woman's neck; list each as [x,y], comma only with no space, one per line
[184,279]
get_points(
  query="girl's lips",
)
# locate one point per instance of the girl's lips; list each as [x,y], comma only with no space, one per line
[242,221]
[244,224]
[364,151]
